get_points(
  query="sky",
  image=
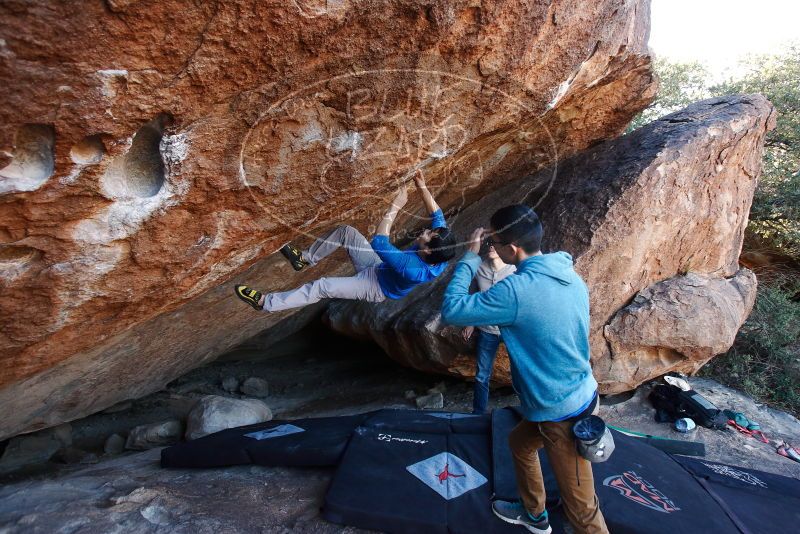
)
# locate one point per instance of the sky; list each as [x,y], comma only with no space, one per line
[719,32]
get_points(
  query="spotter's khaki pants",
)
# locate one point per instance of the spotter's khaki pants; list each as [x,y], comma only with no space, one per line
[573,473]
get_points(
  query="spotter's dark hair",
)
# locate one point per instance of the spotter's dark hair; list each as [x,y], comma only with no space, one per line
[519,225]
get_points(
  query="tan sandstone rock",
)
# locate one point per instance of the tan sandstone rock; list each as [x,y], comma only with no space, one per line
[213,414]
[154,152]
[680,323]
[148,436]
[671,197]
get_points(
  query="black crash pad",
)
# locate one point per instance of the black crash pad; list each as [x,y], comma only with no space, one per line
[306,442]
[412,471]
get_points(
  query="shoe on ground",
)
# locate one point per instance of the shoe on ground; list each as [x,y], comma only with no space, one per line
[294,255]
[249,295]
[513,512]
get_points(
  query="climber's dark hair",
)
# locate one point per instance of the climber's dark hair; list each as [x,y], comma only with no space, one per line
[519,225]
[442,246]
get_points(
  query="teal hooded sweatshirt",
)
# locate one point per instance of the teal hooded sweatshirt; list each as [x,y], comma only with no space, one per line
[543,314]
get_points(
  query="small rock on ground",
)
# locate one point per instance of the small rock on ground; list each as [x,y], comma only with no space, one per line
[432,401]
[230,384]
[441,387]
[145,437]
[255,387]
[115,444]
[214,413]
[73,455]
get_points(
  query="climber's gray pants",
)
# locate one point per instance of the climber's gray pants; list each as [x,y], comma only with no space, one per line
[363,286]
[356,245]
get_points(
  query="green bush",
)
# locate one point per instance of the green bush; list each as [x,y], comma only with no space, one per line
[680,84]
[775,215]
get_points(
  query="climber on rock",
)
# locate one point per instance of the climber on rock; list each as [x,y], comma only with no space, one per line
[382,270]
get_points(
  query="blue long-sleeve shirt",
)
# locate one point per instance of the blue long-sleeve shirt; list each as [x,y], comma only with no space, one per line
[403,270]
[543,314]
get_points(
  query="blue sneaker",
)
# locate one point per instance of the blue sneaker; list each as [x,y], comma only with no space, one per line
[513,512]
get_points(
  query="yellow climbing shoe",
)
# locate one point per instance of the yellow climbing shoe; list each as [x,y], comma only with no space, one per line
[294,255]
[250,296]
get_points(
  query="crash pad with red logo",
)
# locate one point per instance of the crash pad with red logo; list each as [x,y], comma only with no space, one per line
[415,471]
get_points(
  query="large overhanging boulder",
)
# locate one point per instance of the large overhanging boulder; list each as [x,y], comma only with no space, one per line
[153,150]
[637,214]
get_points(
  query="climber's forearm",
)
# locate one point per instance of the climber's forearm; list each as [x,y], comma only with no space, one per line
[385,226]
[427,199]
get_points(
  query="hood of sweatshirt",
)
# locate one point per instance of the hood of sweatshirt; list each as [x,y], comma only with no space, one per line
[557,265]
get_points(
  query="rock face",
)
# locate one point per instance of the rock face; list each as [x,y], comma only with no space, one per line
[153,152]
[687,319]
[135,492]
[34,449]
[670,198]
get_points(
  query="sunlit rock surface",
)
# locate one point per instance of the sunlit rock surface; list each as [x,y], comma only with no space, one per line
[152,153]
[678,324]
